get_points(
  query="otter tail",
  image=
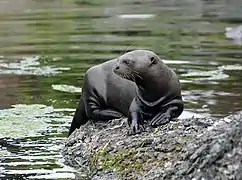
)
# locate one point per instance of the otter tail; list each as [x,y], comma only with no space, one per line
[79,118]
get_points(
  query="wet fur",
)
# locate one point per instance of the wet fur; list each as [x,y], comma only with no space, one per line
[108,93]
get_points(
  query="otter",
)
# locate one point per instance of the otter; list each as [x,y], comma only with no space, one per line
[138,85]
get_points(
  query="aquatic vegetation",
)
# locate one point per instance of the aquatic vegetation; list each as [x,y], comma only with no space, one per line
[206,75]
[26,120]
[234,67]
[66,88]
[29,66]
[136,16]
[217,74]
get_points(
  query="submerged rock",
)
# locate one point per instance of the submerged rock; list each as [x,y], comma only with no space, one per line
[205,148]
[234,33]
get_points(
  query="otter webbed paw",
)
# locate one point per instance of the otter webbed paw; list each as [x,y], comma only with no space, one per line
[136,123]
[163,117]
[136,129]
[160,119]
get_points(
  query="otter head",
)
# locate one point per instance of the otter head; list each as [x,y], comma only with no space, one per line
[135,65]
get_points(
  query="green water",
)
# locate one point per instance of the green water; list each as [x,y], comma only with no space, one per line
[47,43]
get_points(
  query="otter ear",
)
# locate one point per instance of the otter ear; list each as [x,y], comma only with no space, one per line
[152,60]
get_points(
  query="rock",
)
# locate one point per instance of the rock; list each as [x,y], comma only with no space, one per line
[204,148]
[234,33]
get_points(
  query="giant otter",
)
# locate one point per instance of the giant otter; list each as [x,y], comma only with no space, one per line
[137,84]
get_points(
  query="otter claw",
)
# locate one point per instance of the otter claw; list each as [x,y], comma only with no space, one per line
[136,129]
[160,119]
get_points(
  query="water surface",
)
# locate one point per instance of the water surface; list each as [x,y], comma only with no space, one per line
[44,44]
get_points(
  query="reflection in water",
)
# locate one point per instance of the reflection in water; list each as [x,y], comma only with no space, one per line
[8,89]
[78,34]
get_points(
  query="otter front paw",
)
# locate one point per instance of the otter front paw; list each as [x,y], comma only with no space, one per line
[163,117]
[136,123]
[160,119]
[136,129]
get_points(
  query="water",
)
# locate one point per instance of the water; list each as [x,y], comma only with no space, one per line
[46,47]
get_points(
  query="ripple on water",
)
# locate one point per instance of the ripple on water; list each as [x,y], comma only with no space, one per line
[30,138]
[85,33]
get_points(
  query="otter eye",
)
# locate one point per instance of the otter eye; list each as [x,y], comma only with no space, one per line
[125,61]
[152,59]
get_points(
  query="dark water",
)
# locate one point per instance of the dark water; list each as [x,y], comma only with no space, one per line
[45,43]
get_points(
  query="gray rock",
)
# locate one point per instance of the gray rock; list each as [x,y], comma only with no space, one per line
[234,33]
[206,148]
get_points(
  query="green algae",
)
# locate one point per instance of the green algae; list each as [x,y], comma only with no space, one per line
[4,152]
[127,161]
[30,66]
[66,88]
[123,162]
[24,120]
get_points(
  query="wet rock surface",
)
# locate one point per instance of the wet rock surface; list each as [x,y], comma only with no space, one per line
[206,148]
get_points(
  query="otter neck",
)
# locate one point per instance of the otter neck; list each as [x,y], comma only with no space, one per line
[154,85]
